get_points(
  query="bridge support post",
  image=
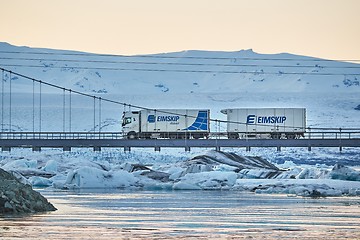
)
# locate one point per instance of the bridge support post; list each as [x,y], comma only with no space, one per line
[309,149]
[36,149]
[157,149]
[5,149]
[217,148]
[97,149]
[278,149]
[67,149]
[340,148]
[127,149]
[187,149]
[248,148]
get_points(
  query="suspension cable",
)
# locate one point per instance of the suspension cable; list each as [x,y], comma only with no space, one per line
[40,105]
[10,103]
[94,102]
[99,114]
[2,100]
[33,106]
[64,104]
[70,91]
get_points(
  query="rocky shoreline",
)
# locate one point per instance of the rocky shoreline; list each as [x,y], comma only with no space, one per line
[16,197]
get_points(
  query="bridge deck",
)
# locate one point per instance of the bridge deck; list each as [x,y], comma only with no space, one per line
[7,144]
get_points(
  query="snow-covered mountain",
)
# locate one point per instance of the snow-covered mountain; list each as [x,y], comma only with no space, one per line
[181,72]
[189,79]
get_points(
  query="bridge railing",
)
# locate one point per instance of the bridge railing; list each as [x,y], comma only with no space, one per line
[331,134]
[61,135]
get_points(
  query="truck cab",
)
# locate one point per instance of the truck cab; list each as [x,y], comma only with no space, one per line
[131,124]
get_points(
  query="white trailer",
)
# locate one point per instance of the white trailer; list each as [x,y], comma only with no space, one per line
[167,123]
[265,122]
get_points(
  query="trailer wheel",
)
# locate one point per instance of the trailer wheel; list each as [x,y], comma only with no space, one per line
[173,136]
[290,136]
[275,135]
[233,136]
[184,136]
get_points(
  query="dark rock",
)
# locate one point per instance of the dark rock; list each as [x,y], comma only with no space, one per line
[16,197]
[316,194]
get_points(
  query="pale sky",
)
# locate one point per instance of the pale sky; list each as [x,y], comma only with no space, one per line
[320,28]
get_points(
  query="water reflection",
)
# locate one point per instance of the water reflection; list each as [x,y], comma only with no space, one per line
[186,214]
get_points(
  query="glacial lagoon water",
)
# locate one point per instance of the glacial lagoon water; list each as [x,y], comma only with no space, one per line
[124,214]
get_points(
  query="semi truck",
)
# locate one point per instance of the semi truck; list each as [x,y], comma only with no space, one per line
[166,123]
[275,123]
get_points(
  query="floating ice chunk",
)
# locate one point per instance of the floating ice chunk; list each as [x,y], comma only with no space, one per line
[300,187]
[151,184]
[40,181]
[51,166]
[197,168]
[207,180]
[231,159]
[20,164]
[287,164]
[224,168]
[258,173]
[313,173]
[175,172]
[186,186]
[342,172]
[88,177]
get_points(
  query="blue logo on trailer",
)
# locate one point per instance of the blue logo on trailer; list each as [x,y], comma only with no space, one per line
[151,118]
[200,123]
[252,119]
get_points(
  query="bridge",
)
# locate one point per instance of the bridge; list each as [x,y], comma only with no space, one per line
[96,141]
[38,138]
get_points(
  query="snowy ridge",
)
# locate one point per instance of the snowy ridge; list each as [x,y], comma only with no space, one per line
[183,72]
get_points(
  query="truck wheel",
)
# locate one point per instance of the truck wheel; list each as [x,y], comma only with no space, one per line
[196,136]
[131,135]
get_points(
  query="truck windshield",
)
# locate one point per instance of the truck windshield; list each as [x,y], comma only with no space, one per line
[126,120]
